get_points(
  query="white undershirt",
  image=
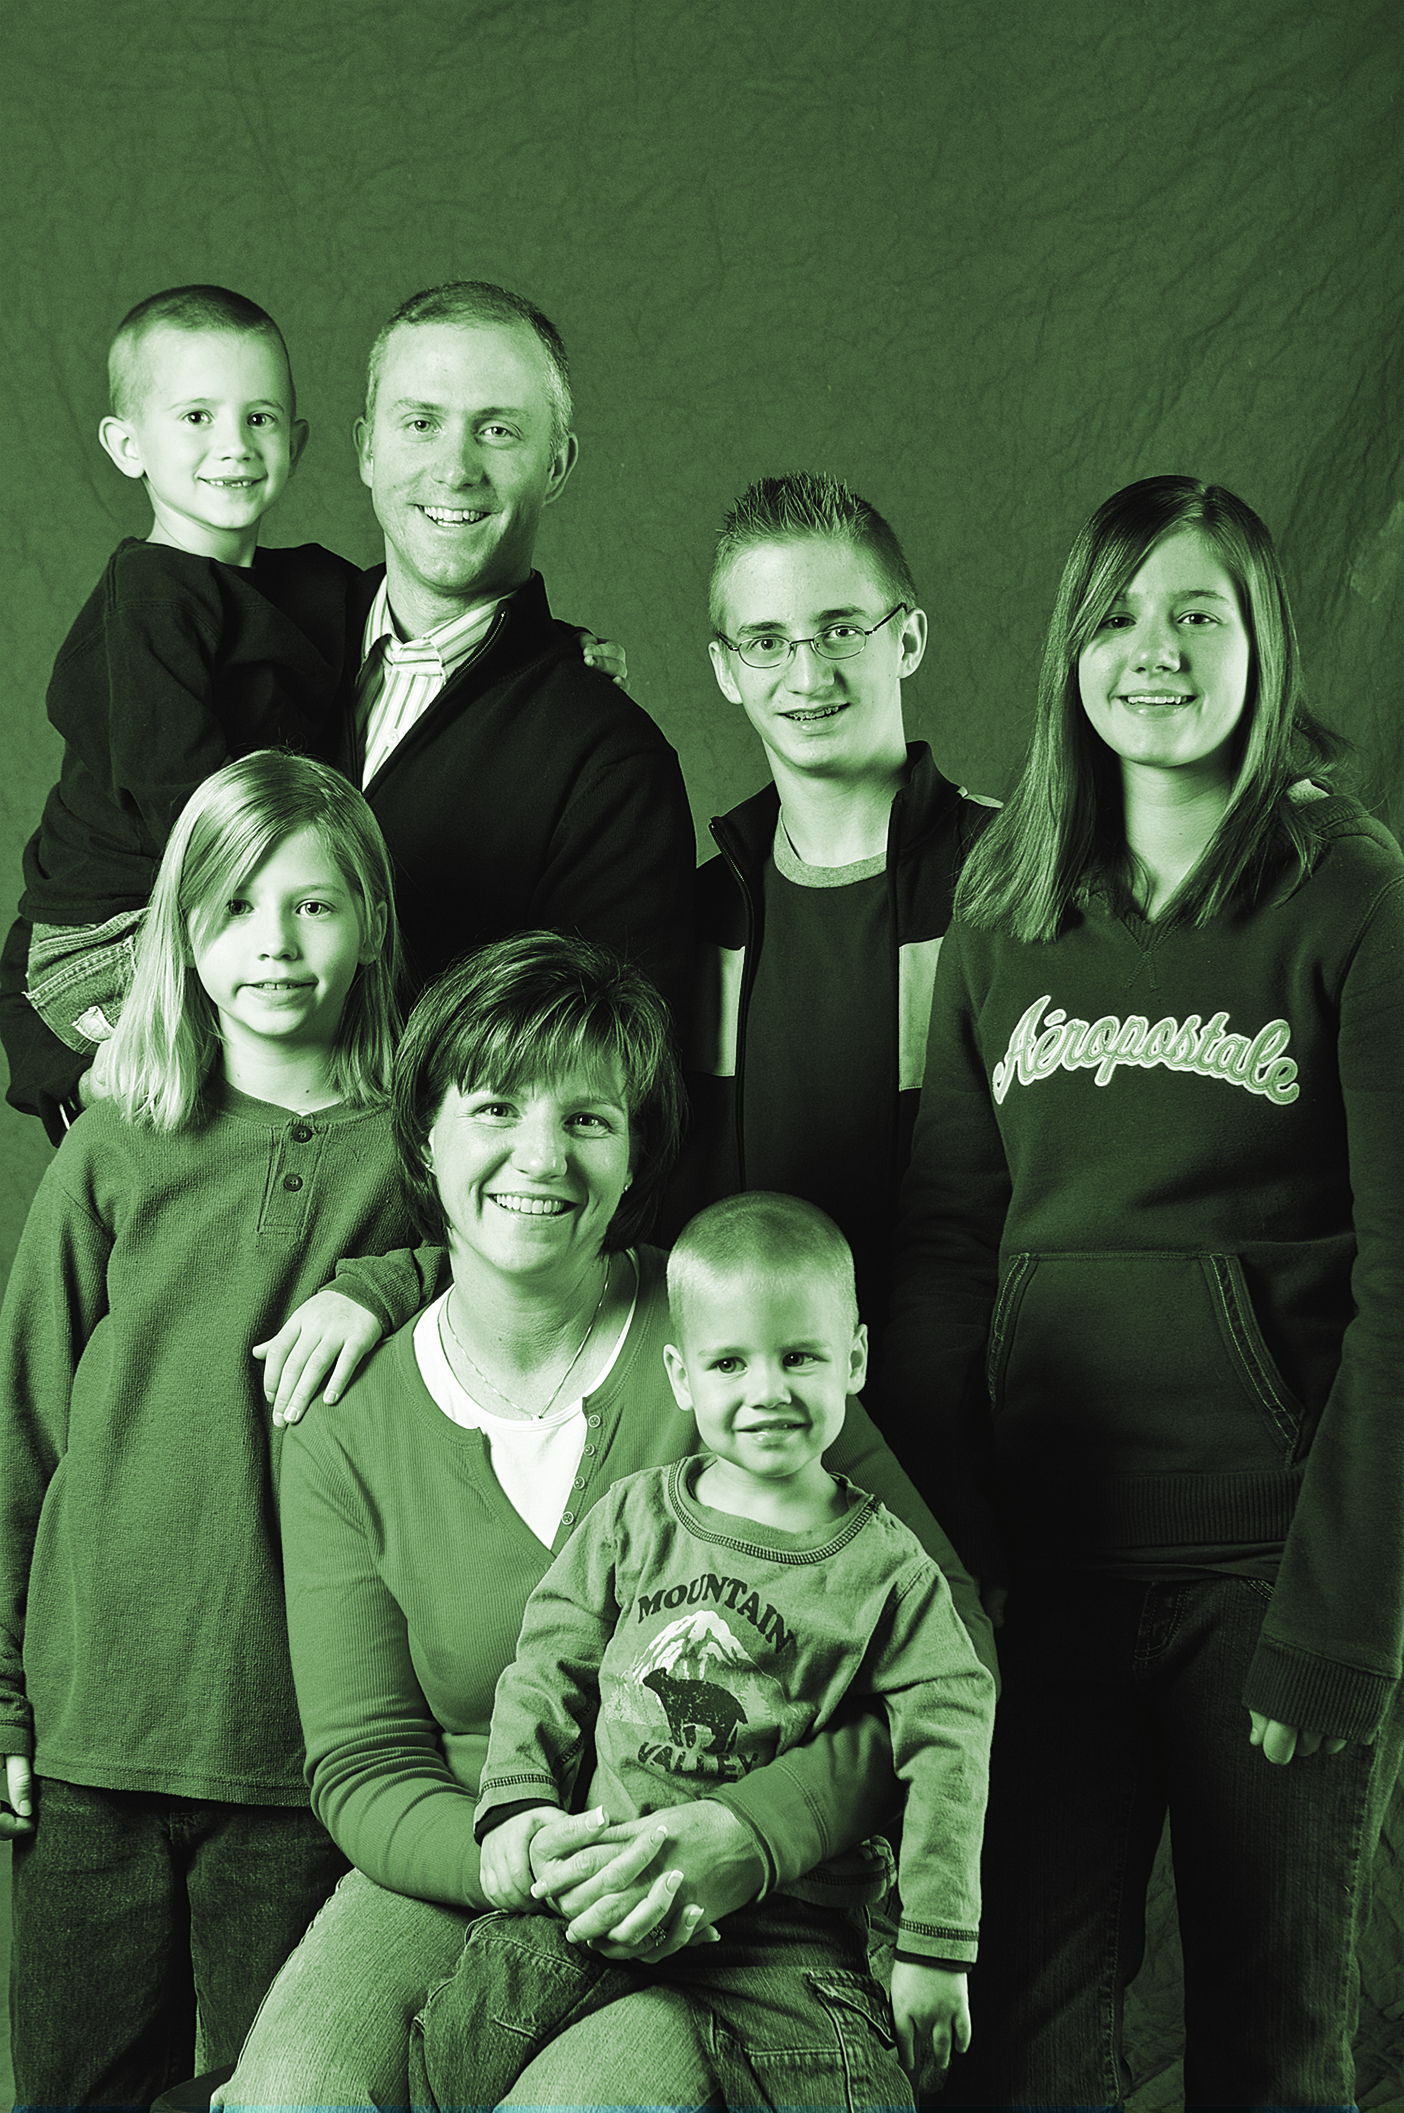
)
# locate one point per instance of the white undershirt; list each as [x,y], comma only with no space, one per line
[535,1458]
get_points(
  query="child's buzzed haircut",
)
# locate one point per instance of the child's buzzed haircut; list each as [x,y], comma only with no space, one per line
[180,308]
[763,1231]
[808,503]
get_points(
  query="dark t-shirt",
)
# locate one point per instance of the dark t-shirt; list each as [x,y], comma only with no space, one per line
[818,1095]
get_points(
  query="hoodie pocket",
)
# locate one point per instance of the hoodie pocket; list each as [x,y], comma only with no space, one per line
[1128,1363]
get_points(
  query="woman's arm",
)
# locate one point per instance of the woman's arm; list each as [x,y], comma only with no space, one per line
[381,1782]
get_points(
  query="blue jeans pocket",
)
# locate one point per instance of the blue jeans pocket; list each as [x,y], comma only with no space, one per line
[518,1985]
[843,2055]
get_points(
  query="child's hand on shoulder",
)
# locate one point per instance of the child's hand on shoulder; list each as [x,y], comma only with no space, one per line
[604,654]
[329,1333]
[504,1861]
[931,2009]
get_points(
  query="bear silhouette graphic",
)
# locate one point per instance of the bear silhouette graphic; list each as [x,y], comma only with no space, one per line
[697,1704]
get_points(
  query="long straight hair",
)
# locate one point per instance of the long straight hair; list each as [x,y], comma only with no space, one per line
[167,1040]
[1061,833]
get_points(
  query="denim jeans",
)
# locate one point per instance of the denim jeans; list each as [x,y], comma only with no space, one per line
[1122,1701]
[79,976]
[135,1911]
[790,2013]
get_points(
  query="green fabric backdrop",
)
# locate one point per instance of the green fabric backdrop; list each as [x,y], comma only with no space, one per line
[988,261]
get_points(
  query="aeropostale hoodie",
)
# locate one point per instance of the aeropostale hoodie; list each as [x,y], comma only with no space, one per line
[1149,1299]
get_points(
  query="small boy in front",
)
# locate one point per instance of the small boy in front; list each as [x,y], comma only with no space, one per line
[702,1618]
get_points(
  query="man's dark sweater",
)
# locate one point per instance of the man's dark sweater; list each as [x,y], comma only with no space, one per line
[534,793]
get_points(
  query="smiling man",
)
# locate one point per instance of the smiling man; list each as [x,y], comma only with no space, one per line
[822,918]
[515,785]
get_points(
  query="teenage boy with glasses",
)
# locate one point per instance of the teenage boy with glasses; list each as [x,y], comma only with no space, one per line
[822,917]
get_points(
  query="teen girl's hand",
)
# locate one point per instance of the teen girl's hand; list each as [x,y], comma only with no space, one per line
[329,1333]
[19,1797]
[604,654]
[1281,1741]
[931,2010]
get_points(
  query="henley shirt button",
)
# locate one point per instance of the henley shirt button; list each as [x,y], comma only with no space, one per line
[292,1181]
[300,1134]
[567,1518]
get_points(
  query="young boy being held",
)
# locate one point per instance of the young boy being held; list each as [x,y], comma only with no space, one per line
[195,646]
[702,1618]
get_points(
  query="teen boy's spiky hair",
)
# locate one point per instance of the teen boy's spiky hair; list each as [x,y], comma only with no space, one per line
[808,503]
[756,1232]
[179,308]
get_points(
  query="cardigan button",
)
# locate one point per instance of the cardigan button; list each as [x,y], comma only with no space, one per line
[580,1482]
[594,1422]
[589,1449]
[292,1181]
[300,1133]
[567,1518]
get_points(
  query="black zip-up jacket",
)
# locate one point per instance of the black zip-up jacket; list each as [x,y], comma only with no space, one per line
[931,828]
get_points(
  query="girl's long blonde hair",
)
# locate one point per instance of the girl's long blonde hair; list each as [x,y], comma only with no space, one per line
[167,1040]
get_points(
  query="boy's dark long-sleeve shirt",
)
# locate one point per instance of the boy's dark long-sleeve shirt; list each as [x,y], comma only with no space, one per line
[174,664]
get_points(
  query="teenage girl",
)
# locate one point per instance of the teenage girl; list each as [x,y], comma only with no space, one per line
[165,1859]
[1148,1327]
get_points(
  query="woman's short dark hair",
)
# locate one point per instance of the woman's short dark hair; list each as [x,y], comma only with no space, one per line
[526,1010]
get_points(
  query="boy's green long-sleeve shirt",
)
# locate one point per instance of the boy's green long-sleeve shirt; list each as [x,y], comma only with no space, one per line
[690,1647]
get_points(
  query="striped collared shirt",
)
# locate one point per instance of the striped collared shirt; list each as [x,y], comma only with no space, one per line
[401,677]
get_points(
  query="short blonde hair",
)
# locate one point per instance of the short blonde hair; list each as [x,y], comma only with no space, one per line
[189,308]
[167,1040]
[758,1232]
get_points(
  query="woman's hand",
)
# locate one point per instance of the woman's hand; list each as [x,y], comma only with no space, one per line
[604,654]
[329,1333]
[616,1893]
[1281,1741]
[19,1796]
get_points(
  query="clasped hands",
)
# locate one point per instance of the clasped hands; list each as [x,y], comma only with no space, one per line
[633,1889]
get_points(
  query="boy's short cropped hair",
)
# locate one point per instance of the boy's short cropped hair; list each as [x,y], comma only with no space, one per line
[808,503]
[758,1232]
[180,308]
[479,301]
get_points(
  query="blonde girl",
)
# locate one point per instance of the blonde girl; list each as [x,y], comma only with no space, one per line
[165,1856]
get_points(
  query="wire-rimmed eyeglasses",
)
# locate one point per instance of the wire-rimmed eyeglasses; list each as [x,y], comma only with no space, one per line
[767,649]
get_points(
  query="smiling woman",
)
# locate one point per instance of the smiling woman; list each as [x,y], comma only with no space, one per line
[536,1110]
